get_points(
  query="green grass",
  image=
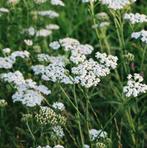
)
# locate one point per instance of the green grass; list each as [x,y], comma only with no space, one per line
[101,107]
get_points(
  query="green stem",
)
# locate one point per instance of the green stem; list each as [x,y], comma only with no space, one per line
[79,123]
[33,137]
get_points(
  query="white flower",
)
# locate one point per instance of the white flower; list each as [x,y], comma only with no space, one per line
[59,106]
[49,13]
[89,72]
[135,18]
[54,72]
[95,134]
[6,50]
[52,59]
[43,33]
[58,131]
[52,27]
[28,92]
[104,24]
[57,2]
[54,45]
[68,43]
[7,62]
[28,97]
[134,86]
[86,146]
[40,1]
[87,1]
[58,146]
[109,61]
[4,10]
[31,31]
[47,146]
[28,42]
[141,34]
[117,4]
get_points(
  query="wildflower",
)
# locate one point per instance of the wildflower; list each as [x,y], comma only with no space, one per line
[28,92]
[57,2]
[68,43]
[102,16]
[58,131]
[54,72]
[47,146]
[89,72]
[141,35]
[52,59]
[117,4]
[86,146]
[54,45]
[49,13]
[87,1]
[135,18]
[58,105]
[4,10]
[43,33]
[28,42]
[6,50]
[46,116]
[134,86]
[3,103]
[58,146]
[31,31]
[104,24]
[8,61]
[52,27]
[40,1]
[101,145]
[109,61]
[96,134]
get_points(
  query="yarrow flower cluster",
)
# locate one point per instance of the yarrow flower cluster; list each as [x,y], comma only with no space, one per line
[49,13]
[117,4]
[140,35]
[52,59]
[89,72]
[47,146]
[8,61]
[4,10]
[47,115]
[78,51]
[87,1]
[134,86]
[40,1]
[57,132]
[57,2]
[97,134]
[135,18]
[3,103]
[54,72]
[59,106]
[28,92]
[86,72]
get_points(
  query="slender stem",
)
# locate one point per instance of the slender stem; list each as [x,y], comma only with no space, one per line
[33,137]
[79,123]
[143,57]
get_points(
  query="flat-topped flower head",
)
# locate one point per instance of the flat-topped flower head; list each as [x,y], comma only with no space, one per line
[57,2]
[117,4]
[135,18]
[134,86]
[27,91]
[142,35]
